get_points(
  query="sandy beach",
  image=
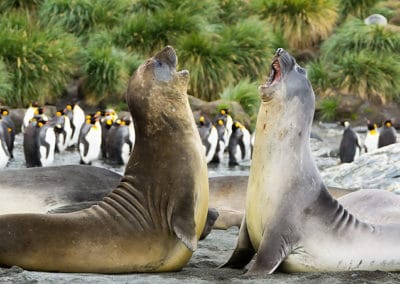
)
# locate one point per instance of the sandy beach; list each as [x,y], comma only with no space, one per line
[202,268]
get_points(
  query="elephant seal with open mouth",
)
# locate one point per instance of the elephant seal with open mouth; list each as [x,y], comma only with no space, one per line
[291,221]
[152,221]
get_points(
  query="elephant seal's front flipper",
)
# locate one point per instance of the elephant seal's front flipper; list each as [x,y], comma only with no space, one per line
[244,251]
[184,229]
[275,246]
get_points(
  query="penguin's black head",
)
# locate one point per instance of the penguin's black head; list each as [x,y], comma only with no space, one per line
[236,125]
[126,120]
[388,123]
[92,118]
[370,125]
[39,110]
[202,120]
[224,111]
[68,108]
[4,111]
[39,120]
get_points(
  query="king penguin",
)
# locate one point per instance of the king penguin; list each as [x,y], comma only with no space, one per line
[76,116]
[108,117]
[39,143]
[349,148]
[387,134]
[209,137]
[29,114]
[119,144]
[62,129]
[90,140]
[228,122]
[239,148]
[222,141]
[9,130]
[4,154]
[371,140]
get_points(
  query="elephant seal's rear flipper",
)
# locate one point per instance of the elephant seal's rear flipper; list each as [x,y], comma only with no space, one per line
[243,252]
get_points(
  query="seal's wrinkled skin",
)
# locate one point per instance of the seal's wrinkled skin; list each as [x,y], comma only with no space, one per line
[153,219]
[291,221]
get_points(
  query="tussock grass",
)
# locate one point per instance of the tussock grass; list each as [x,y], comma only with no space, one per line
[40,61]
[303,23]
[246,94]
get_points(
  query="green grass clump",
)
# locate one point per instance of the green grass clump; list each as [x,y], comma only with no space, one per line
[8,5]
[319,76]
[205,60]
[368,74]
[106,69]
[83,16]
[356,8]
[247,45]
[303,23]
[40,61]
[363,60]
[5,83]
[246,94]
[355,36]
[328,108]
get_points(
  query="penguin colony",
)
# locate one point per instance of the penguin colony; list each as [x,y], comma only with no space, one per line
[351,147]
[103,135]
[100,135]
[223,134]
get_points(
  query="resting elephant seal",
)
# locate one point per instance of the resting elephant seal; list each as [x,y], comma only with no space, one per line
[373,205]
[61,189]
[291,220]
[151,222]
[38,190]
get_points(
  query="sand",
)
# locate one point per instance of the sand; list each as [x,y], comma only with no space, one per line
[203,268]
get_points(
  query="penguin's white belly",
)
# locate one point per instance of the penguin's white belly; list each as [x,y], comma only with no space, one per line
[30,112]
[213,140]
[132,135]
[93,137]
[221,150]
[238,153]
[125,153]
[68,131]
[3,156]
[247,144]
[50,138]
[60,143]
[371,142]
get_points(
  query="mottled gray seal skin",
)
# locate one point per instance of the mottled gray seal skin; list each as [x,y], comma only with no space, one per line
[38,190]
[291,221]
[373,205]
[152,221]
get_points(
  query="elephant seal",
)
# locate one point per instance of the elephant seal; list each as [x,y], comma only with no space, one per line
[373,205]
[69,188]
[39,190]
[291,220]
[151,222]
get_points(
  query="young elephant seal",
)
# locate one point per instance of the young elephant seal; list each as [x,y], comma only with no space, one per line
[291,221]
[151,222]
